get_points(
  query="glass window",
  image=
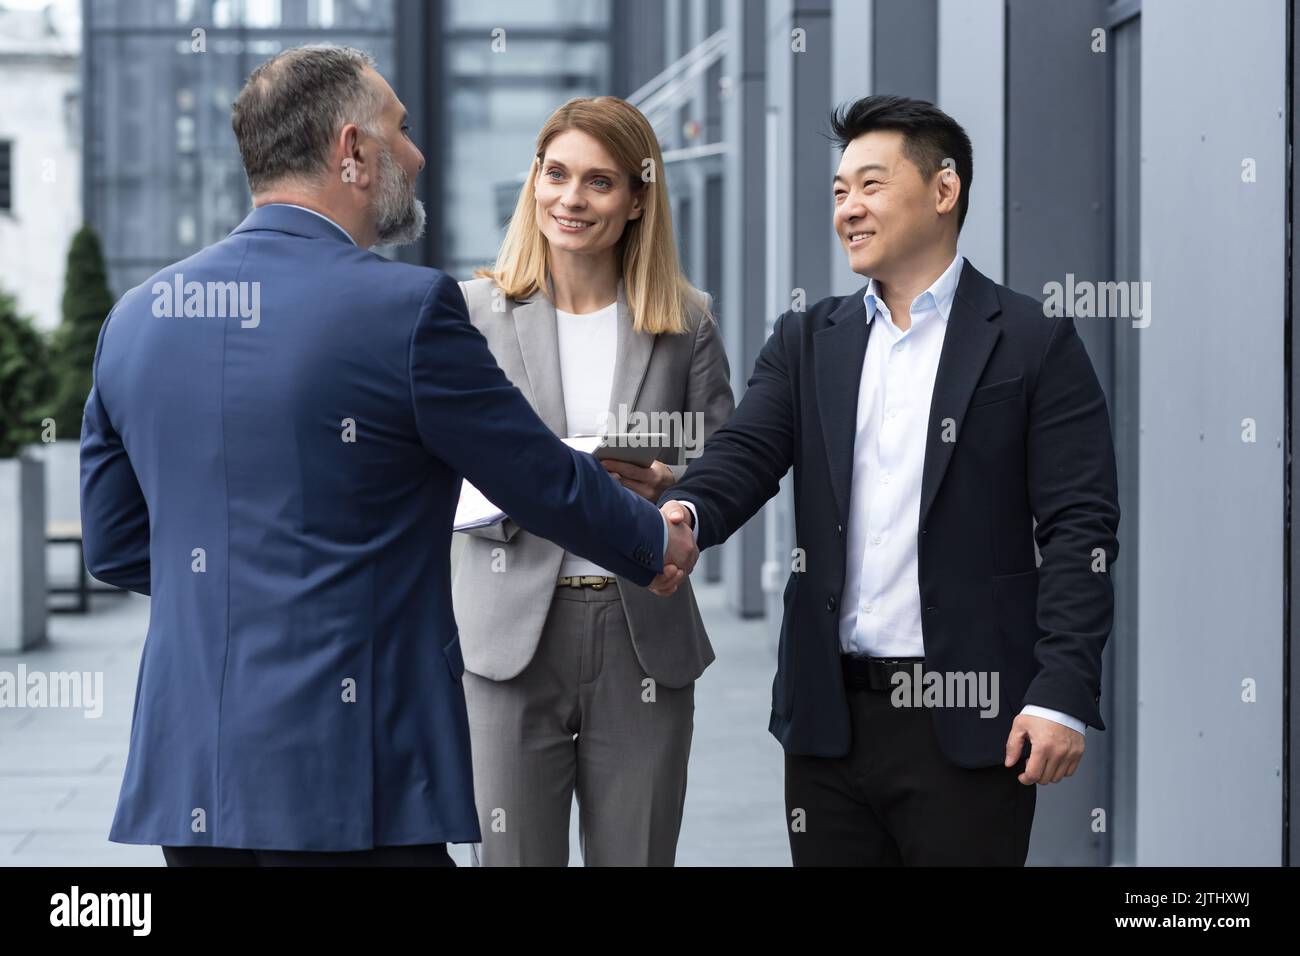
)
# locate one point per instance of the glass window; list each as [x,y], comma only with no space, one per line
[498,103]
[261,14]
[164,175]
[528,13]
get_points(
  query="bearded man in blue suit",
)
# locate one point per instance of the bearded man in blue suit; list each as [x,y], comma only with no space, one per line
[273,449]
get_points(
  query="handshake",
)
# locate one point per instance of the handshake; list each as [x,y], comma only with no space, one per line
[650,483]
[681,554]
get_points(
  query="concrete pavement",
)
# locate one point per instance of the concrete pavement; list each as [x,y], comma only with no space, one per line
[60,770]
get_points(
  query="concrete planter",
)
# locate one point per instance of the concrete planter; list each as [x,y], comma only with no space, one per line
[22,554]
[62,477]
[62,503]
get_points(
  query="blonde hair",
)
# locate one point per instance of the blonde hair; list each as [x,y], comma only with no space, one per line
[653,284]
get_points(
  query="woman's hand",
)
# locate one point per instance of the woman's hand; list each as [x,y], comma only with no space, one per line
[649,483]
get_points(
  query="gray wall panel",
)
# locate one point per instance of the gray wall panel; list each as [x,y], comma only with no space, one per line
[743,304]
[971,79]
[1058,132]
[800,217]
[906,57]
[852,55]
[1209,770]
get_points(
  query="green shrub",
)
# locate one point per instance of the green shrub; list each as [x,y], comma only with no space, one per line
[86,303]
[26,384]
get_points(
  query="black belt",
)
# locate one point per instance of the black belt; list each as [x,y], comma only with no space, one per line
[874,673]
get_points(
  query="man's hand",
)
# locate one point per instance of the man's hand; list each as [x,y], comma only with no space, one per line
[678,513]
[1054,753]
[650,483]
[680,558]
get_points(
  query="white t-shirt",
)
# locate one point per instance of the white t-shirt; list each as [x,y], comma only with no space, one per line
[588,345]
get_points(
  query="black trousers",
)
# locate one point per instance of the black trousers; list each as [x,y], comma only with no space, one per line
[428,854]
[896,800]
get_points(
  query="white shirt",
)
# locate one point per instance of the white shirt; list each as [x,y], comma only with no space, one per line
[318,215]
[880,613]
[588,345]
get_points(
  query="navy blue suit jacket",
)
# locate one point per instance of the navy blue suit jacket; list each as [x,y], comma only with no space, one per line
[283,484]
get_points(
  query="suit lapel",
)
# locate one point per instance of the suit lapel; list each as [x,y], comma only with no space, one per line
[967,344]
[539,345]
[838,352]
[632,359]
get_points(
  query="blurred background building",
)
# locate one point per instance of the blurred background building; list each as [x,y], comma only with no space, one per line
[1115,141]
[40,155]
[163,176]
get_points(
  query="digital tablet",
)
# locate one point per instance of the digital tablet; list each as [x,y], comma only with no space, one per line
[639,448]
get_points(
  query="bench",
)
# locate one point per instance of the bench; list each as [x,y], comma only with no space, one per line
[69,533]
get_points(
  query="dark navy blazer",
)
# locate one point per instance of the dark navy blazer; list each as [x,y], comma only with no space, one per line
[1032,462]
[283,484]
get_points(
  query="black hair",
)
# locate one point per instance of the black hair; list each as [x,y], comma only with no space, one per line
[930,136]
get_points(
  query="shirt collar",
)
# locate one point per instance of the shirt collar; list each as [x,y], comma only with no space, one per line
[320,215]
[938,296]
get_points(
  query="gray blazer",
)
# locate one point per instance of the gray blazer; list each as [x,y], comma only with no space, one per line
[502,597]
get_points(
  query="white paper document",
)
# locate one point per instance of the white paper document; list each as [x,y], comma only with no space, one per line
[474,510]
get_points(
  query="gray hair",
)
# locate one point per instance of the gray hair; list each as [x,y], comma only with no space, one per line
[294,104]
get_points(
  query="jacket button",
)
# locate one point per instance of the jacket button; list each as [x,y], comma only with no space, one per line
[830,603]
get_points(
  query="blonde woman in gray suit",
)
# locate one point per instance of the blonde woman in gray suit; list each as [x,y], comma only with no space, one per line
[578,682]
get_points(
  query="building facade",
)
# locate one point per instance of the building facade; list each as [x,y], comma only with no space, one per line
[40,158]
[1105,152]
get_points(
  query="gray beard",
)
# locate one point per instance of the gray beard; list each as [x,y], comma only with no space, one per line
[399,216]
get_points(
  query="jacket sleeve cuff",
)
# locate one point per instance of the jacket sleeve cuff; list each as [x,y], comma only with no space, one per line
[695,518]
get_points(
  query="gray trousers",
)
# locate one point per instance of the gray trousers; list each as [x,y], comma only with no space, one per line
[582,718]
